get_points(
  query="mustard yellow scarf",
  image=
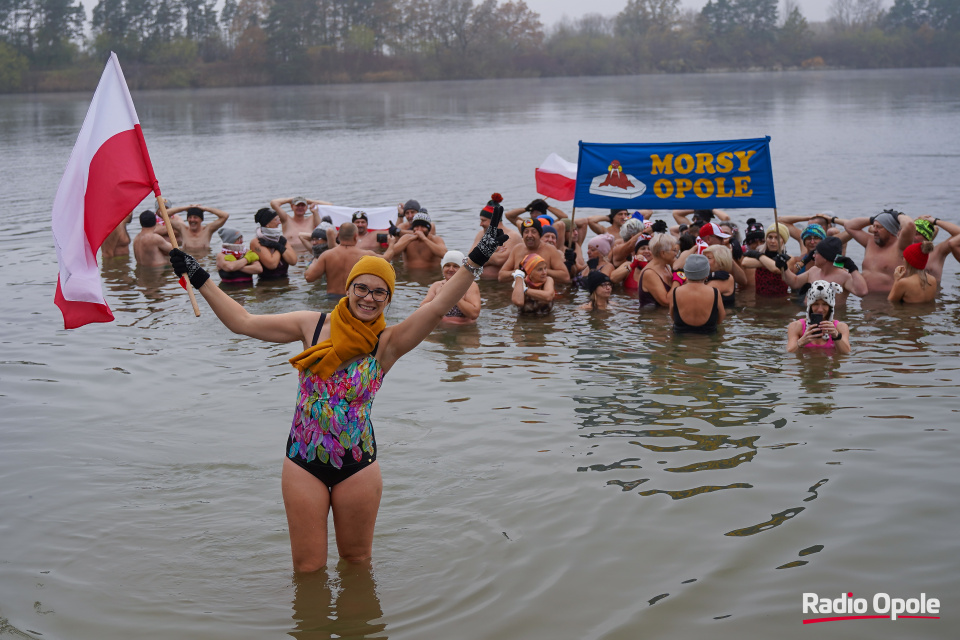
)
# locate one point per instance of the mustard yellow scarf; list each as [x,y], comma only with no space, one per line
[349,337]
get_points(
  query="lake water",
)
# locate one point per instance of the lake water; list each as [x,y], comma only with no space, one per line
[570,477]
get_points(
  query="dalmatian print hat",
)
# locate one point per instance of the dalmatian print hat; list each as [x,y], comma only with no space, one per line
[826,291]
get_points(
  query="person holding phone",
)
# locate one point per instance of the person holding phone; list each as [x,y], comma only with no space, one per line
[818,329]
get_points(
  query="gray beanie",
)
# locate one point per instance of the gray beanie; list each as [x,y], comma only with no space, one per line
[696,267]
[229,235]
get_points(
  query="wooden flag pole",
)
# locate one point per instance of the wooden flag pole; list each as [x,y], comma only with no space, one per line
[173,241]
[573,226]
[776,225]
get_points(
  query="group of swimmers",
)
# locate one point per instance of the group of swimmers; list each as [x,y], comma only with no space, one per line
[695,268]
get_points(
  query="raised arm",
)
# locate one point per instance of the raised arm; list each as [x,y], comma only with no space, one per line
[908,231]
[216,224]
[855,228]
[283,328]
[277,205]
[418,325]
[316,269]
[513,216]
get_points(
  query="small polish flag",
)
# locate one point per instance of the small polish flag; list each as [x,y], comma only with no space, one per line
[108,174]
[557,178]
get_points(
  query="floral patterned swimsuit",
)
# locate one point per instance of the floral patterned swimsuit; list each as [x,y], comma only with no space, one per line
[332,436]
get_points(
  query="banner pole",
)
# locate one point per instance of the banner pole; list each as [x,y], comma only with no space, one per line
[573,226]
[776,225]
[173,241]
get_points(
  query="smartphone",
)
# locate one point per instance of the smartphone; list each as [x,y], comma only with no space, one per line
[815,320]
[382,238]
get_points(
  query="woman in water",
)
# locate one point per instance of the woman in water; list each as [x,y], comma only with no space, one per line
[912,283]
[817,329]
[533,289]
[467,309]
[331,455]
[236,264]
[656,279]
[271,245]
[695,307]
[600,288]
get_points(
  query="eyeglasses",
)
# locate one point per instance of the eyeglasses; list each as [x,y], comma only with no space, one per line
[361,290]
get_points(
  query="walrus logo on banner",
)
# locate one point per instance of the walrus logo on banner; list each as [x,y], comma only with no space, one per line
[726,174]
[616,183]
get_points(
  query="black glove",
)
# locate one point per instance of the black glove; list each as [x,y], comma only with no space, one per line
[737,250]
[492,238]
[394,231]
[846,262]
[593,263]
[659,226]
[872,219]
[781,260]
[719,275]
[279,244]
[570,257]
[184,263]
[808,258]
[752,253]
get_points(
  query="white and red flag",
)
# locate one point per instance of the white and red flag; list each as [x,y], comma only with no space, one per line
[108,174]
[557,178]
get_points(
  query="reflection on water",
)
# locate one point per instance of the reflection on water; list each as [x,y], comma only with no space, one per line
[343,605]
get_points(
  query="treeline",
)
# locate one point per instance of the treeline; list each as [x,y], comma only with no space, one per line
[49,45]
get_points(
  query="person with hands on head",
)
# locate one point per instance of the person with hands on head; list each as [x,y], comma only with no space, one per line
[912,281]
[540,209]
[320,239]
[331,452]
[890,233]
[196,236]
[533,288]
[300,221]
[818,329]
[271,245]
[467,309]
[421,249]
[628,273]
[236,264]
[531,235]
[928,227]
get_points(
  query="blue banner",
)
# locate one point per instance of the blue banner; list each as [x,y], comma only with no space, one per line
[727,174]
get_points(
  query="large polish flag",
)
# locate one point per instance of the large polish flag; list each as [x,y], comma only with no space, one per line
[108,174]
[557,178]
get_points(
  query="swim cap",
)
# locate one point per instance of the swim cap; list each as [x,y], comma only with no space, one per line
[229,235]
[374,266]
[915,257]
[813,231]
[452,257]
[263,216]
[925,228]
[826,291]
[530,262]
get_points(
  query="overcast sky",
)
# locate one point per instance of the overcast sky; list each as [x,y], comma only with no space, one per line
[553,10]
